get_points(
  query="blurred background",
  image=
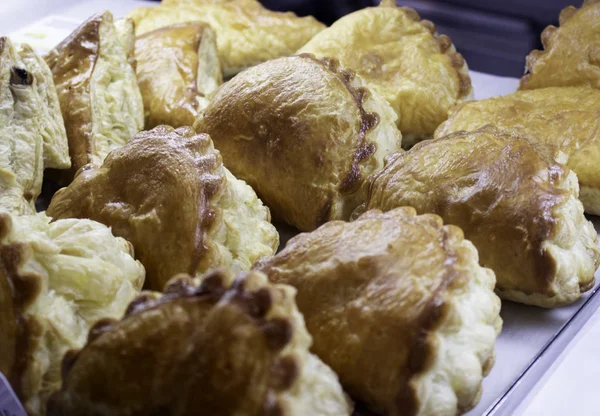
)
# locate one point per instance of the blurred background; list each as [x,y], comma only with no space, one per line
[493,35]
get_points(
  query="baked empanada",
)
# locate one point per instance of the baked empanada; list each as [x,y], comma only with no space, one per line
[513,201]
[571,55]
[32,132]
[56,280]
[177,71]
[404,60]
[304,133]
[247,33]
[204,350]
[100,101]
[398,306]
[565,118]
[168,193]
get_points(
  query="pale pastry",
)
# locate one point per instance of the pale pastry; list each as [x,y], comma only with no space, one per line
[571,55]
[398,306]
[167,192]
[403,59]
[32,132]
[56,280]
[94,72]
[513,200]
[304,133]
[205,350]
[565,118]
[247,33]
[177,71]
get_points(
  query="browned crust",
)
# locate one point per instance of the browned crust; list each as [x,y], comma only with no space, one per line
[253,303]
[456,59]
[72,63]
[24,289]
[368,121]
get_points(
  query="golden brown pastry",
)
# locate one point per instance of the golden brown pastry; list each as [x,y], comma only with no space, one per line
[247,33]
[56,280]
[571,55]
[304,133]
[203,350]
[513,201]
[32,132]
[565,118]
[168,193]
[403,59]
[94,73]
[177,71]
[398,306]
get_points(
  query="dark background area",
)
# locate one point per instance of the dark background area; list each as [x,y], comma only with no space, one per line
[493,35]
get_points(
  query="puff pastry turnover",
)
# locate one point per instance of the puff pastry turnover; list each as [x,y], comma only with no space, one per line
[247,33]
[56,280]
[571,54]
[94,72]
[403,59]
[398,306]
[177,71]
[304,133]
[205,350]
[32,132]
[168,193]
[512,200]
[565,118]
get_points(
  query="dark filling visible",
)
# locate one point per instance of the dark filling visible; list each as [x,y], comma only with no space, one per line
[20,76]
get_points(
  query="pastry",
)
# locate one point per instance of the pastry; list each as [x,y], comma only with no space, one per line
[398,306]
[168,193]
[304,133]
[247,33]
[404,60]
[177,71]
[565,118]
[571,55]
[56,280]
[32,133]
[203,350]
[94,72]
[512,199]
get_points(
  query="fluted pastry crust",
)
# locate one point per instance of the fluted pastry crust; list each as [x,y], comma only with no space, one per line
[56,280]
[247,33]
[177,71]
[403,59]
[565,118]
[94,72]
[168,193]
[32,132]
[202,350]
[571,55]
[513,201]
[398,306]
[304,133]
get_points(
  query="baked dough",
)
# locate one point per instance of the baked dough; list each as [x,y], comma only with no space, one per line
[304,133]
[247,33]
[571,55]
[513,201]
[398,306]
[177,71]
[100,101]
[32,132]
[202,351]
[168,193]
[56,280]
[403,59]
[566,118]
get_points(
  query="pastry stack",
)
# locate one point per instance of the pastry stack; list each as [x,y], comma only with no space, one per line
[151,283]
